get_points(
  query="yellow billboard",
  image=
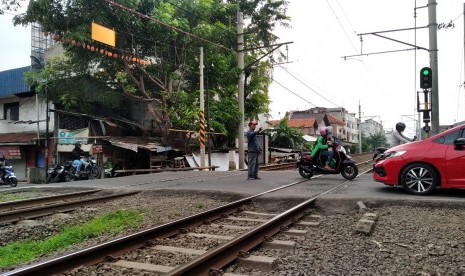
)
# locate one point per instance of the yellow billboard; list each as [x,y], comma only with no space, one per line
[104,35]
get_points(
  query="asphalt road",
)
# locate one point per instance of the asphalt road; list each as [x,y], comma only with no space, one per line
[235,182]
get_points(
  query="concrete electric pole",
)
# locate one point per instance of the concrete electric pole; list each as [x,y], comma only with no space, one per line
[240,88]
[433,59]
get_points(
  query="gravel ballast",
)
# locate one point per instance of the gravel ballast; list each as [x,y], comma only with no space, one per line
[407,239]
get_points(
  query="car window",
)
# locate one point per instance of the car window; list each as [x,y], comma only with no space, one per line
[448,139]
[463,133]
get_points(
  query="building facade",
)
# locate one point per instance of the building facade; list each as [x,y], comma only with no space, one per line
[23,123]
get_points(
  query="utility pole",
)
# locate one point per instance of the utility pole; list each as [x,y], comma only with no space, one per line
[359,127]
[202,114]
[240,65]
[46,128]
[433,59]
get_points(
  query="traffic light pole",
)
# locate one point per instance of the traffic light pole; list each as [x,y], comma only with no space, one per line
[427,107]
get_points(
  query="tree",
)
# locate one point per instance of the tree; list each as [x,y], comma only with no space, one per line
[373,141]
[11,5]
[283,136]
[171,78]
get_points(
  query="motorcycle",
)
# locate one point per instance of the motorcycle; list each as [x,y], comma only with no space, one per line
[89,169]
[110,170]
[59,173]
[379,154]
[8,176]
[341,164]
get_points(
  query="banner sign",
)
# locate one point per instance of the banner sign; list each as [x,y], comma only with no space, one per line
[10,152]
[97,149]
[69,137]
[103,34]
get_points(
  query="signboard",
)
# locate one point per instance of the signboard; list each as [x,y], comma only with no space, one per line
[104,35]
[10,152]
[97,149]
[69,137]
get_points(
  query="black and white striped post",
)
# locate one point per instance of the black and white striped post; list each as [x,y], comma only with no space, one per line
[202,114]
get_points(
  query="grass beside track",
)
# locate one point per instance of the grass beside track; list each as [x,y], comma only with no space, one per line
[12,197]
[26,251]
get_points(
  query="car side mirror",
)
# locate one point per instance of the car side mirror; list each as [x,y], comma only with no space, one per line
[459,143]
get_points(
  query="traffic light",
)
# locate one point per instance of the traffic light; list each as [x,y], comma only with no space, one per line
[426,77]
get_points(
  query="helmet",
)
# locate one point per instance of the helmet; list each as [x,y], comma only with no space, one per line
[323,131]
[77,144]
[400,126]
[329,129]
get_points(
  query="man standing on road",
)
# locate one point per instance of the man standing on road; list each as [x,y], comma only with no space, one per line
[253,151]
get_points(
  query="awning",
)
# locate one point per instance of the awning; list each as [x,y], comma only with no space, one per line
[8,139]
[134,143]
[310,138]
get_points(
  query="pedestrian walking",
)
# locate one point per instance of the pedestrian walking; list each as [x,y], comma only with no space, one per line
[253,151]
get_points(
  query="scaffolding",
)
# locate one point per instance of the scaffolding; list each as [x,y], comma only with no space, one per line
[40,42]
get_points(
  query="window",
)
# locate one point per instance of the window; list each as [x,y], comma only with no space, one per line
[11,111]
[448,139]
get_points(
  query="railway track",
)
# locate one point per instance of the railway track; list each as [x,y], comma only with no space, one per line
[209,257]
[33,208]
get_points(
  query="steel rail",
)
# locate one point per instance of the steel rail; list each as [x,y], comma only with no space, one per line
[99,253]
[50,209]
[26,203]
[214,260]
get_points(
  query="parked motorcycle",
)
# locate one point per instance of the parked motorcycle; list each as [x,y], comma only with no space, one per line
[8,176]
[341,164]
[88,171]
[60,173]
[110,170]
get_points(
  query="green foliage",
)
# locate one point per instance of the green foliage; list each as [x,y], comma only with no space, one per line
[172,81]
[11,197]
[372,142]
[283,136]
[22,252]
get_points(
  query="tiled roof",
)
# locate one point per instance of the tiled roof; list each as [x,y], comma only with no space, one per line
[296,123]
[335,120]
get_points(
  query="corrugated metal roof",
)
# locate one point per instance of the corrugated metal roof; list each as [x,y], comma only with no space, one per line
[12,81]
[23,138]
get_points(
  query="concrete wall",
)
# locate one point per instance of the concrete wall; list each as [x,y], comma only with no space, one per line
[27,111]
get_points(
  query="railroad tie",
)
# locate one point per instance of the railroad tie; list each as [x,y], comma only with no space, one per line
[280,245]
[294,232]
[262,263]
[308,223]
[209,236]
[143,266]
[266,215]
[246,219]
[181,250]
[232,227]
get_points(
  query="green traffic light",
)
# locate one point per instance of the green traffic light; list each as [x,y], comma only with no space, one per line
[425,72]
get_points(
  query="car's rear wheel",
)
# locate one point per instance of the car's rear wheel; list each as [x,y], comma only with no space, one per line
[419,179]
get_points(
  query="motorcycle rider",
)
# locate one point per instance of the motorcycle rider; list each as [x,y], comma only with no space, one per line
[397,138]
[78,155]
[323,143]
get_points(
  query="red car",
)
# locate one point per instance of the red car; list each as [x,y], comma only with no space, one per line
[420,167]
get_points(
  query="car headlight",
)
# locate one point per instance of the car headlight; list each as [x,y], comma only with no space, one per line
[393,154]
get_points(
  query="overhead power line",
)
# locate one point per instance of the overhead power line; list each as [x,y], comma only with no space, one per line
[119,6]
[293,92]
[308,86]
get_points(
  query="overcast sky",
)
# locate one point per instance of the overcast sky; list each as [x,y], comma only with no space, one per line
[323,31]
